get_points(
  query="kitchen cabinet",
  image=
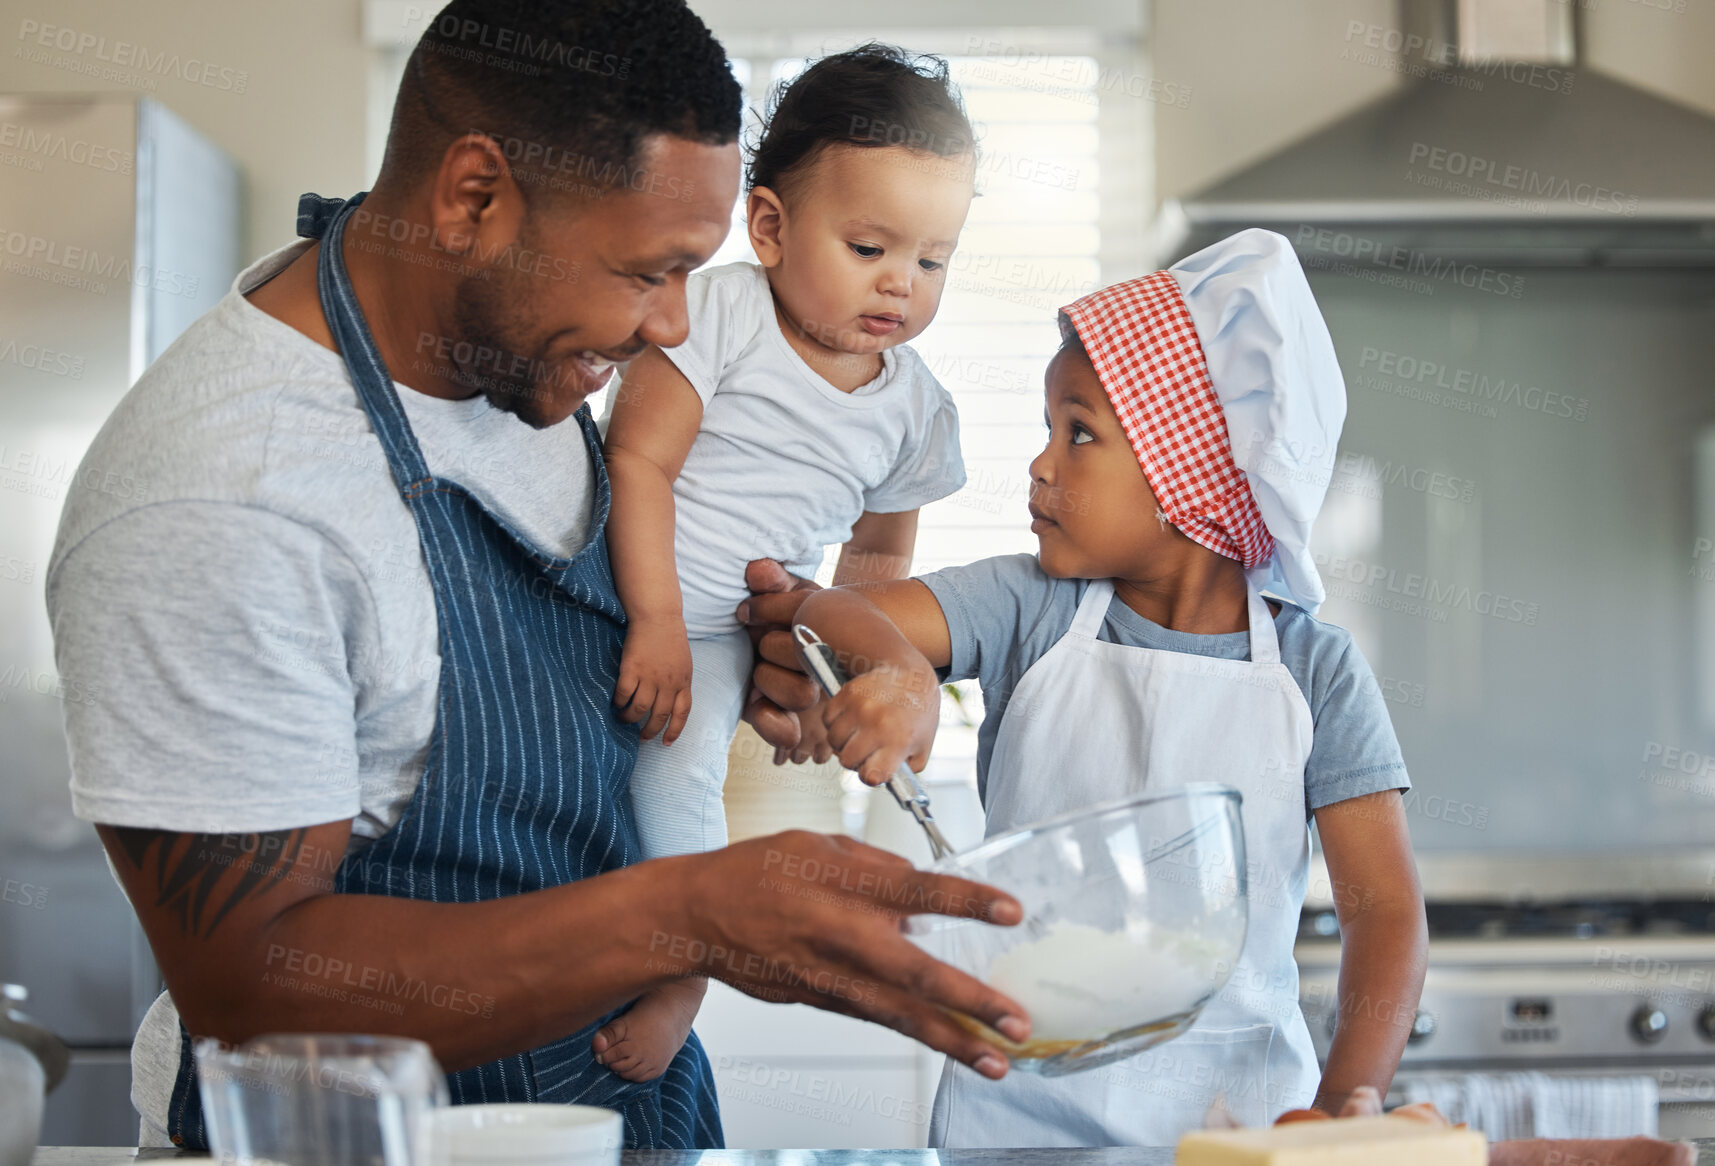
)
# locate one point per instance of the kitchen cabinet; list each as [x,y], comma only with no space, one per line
[792,1075]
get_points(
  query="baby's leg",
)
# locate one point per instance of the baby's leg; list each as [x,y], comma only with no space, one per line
[676,794]
[641,1044]
[676,789]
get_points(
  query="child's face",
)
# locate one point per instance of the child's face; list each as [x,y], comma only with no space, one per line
[858,254]
[1092,511]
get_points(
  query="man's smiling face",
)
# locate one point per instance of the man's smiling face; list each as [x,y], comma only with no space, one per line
[594,280]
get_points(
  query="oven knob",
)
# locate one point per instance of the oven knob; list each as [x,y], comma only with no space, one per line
[1706,1022]
[1422,1028]
[1649,1024]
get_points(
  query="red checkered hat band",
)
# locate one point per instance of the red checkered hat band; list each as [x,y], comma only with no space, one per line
[1145,351]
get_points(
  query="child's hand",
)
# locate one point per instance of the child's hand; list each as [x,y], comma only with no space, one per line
[655,677]
[884,716]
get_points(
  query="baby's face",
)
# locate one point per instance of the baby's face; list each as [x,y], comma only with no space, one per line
[865,242]
[1091,507]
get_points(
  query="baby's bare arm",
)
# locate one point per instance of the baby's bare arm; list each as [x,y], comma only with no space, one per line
[654,422]
[1384,941]
[879,550]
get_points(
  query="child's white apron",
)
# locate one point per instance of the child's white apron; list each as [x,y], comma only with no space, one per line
[1092,721]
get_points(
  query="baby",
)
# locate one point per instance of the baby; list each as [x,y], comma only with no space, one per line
[794,417]
[1164,633]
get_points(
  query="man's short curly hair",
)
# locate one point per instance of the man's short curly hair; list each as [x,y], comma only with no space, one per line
[569,89]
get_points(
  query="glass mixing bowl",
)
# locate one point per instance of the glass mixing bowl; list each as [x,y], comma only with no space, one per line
[1135,914]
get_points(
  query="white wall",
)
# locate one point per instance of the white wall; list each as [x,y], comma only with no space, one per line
[1664,46]
[298,124]
[1262,73]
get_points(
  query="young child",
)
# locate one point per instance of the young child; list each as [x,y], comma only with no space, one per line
[1192,421]
[793,417]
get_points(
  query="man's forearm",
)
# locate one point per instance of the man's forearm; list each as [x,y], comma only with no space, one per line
[1381,980]
[640,537]
[251,941]
[476,981]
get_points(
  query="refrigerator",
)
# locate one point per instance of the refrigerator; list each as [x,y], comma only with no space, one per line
[119,225]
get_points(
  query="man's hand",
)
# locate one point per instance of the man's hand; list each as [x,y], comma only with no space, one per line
[812,739]
[814,919]
[655,677]
[779,689]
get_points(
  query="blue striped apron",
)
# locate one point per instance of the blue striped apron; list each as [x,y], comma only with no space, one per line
[525,786]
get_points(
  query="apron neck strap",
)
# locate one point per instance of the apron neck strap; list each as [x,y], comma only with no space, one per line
[325,219]
[1265,641]
[1093,608]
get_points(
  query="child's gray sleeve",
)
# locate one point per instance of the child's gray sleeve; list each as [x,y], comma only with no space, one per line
[1355,751]
[1002,614]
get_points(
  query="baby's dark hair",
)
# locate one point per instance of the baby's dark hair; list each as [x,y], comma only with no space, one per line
[873,95]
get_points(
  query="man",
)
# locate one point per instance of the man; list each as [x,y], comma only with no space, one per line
[360,769]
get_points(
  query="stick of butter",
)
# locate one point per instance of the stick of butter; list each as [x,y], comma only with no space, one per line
[1351,1141]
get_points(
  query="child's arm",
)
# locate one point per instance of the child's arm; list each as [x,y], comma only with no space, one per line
[1384,941]
[654,422]
[889,638]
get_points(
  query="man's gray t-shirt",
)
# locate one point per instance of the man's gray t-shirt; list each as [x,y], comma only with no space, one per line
[239,577]
[1005,613]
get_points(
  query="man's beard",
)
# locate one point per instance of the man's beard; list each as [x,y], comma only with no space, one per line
[490,315]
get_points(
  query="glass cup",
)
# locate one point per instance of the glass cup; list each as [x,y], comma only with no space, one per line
[319,1099]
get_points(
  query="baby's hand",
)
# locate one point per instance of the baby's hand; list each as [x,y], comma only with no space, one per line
[655,677]
[883,717]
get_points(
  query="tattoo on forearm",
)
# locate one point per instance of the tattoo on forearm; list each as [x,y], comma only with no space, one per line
[188,867]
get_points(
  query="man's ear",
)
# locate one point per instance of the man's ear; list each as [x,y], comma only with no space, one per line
[474,197]
[764,217]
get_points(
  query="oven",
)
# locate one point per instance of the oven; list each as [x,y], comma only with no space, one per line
[1582,966]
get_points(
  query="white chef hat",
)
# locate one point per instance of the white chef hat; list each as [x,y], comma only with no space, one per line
[1273,367]
[1224,379]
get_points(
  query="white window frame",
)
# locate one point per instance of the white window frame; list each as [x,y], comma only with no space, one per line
[1113,32]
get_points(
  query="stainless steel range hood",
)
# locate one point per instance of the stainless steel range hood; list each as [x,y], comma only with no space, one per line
[1524,155]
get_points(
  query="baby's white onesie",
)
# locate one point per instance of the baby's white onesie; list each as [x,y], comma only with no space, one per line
[782,467]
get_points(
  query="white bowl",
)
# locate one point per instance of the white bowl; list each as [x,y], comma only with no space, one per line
[526,1135]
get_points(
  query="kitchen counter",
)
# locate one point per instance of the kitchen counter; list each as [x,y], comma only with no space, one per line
[97,1156]
[114,1156]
